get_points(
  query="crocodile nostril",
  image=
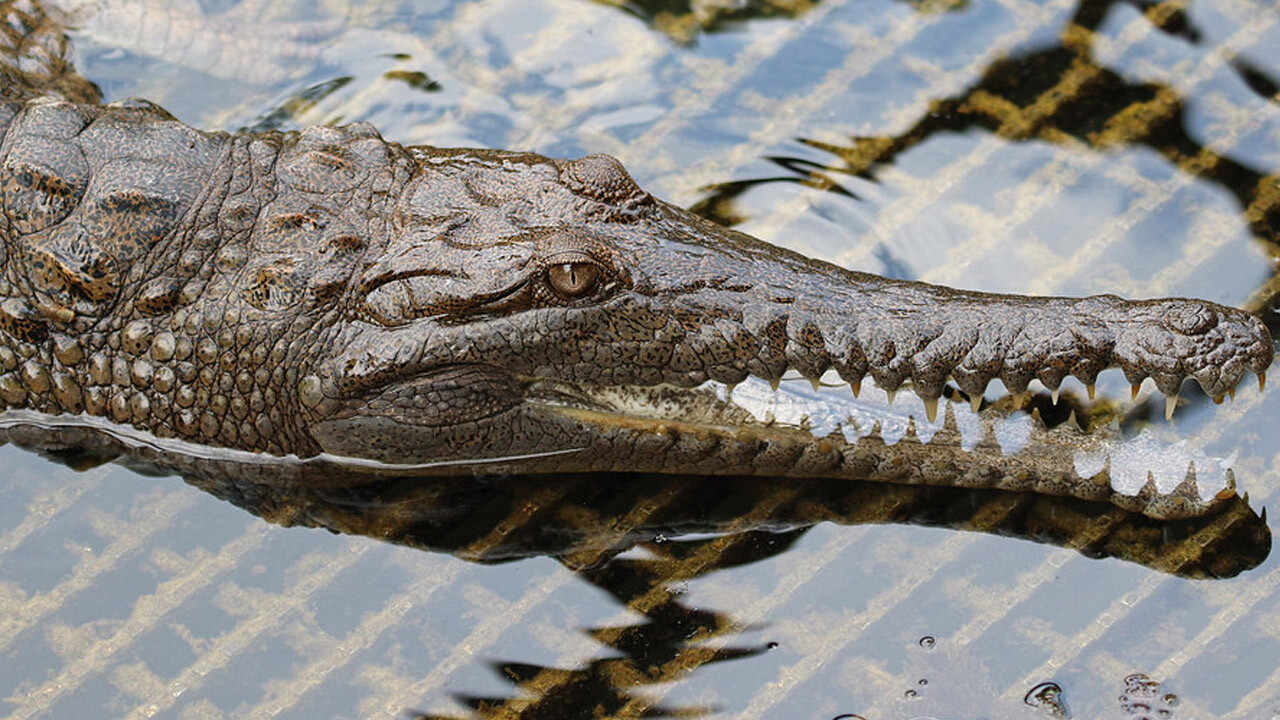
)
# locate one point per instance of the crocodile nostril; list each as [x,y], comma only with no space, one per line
[1190,318]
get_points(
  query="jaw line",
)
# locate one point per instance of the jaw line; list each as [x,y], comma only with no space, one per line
[799,411]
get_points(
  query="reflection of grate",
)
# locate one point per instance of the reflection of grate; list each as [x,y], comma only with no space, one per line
[1060,95]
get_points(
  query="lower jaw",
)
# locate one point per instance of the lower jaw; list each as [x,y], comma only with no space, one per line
[896,440]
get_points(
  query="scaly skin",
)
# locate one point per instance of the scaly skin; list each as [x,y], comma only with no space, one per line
[329,293]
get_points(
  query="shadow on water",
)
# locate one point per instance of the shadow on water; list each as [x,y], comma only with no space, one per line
[1060,95]
[683,20]
[687,527]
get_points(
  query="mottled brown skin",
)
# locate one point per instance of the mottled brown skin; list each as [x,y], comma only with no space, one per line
[331,292]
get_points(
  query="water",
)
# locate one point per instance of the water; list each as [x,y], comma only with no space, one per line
[877,134]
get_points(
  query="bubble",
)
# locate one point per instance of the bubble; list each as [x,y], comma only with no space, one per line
[772,646]
[848,716]
[1144,699]
[910,694]
[922,682]
[928,642]
[1047,697]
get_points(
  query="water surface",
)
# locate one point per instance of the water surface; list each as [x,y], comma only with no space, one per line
[1067,146]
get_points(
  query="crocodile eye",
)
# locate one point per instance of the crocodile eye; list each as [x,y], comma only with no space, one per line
[572,280]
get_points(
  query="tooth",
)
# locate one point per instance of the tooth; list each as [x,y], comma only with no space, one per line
[856,385]
[1187,488]
[975,403]
[1217,399]
[1232,393]
[1170,404]
[1133,390]
[1092,389]
[774,383]
[728,391]
[1262,381]
[817,385]
[1072,421]
[931,409]
[891,394]
[1054,394]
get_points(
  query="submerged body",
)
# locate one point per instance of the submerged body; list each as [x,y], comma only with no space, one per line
[337,300]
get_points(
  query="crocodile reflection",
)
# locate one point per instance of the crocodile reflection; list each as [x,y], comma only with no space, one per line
[688,527]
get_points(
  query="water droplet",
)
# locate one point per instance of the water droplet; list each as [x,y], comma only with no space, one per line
[910,694]
[928,642]
[1047,697]
[922,682]
[848,716]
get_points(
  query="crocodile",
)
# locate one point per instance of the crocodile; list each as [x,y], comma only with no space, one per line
[297,305]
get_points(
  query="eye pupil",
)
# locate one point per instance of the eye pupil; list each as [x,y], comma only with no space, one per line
[573,280]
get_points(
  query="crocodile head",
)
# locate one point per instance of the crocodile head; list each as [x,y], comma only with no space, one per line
[534,314]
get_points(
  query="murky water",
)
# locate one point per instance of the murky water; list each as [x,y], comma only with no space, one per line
[1069,146]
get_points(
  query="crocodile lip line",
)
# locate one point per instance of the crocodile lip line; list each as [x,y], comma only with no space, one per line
[808,411]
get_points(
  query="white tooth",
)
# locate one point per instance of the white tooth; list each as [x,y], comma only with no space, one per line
[931,409]
[1170,404]
[1054,394]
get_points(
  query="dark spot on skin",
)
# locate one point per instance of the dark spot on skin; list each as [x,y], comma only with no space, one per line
[159,296]
[20,321]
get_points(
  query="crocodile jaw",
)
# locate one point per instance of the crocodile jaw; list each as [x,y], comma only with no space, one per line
[800,429]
